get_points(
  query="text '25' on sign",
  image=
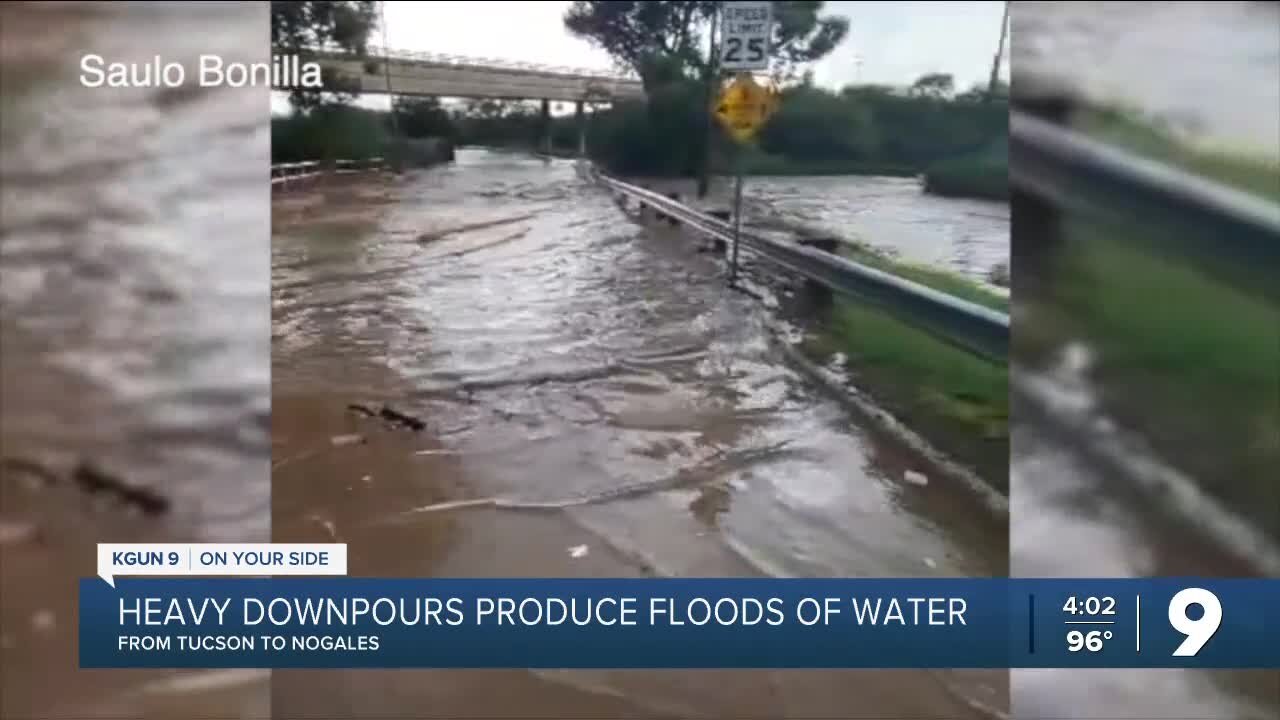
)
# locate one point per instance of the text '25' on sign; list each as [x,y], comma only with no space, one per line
[747,28]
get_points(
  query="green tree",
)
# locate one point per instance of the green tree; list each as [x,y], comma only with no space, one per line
[664,43]
[934,85]
[297,27]
[659,38]
[422,117]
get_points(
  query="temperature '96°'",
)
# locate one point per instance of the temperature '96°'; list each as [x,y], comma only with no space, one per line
[1169,620]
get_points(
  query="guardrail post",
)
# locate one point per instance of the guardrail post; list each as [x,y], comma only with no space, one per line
[968,325]
[544,142]
[726,215]
[675,196]
[816,294]
[581,117]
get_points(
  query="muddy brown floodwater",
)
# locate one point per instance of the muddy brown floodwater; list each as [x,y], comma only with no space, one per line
[133,333]
[597,376]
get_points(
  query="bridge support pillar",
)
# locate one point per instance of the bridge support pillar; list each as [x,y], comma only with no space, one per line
[581,117]
[544,142]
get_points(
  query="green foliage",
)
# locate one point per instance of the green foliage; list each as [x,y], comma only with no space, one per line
[982,174]
[329,132]
[499,123]
[960,144]
[957,400]
[933,277]
[663,40]
[813,124]
[422,117]
[934,85]
[1184,358]
[298,26]
[341,132]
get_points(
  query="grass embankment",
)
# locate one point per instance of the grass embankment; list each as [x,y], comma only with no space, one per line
[983,175]
[978,175]
[957,401]
[756,162]
[1187,357]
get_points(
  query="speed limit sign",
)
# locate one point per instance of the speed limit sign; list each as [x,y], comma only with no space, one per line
[747,28]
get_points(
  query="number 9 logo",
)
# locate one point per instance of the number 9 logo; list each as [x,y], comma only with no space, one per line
[1198,631]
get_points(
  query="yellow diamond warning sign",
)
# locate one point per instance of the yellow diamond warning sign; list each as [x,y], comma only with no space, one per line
[745,106]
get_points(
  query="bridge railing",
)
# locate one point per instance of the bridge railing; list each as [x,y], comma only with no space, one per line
[970,326]
[284,173]
[376,53]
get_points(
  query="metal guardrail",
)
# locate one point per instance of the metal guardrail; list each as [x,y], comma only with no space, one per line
[968,325]
[282,173]
[1212,222]
[1084,175]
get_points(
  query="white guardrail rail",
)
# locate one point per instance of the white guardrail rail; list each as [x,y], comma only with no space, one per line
[973,327]
[286,172]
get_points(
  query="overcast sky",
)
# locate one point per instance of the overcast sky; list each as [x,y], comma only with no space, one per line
[889,42]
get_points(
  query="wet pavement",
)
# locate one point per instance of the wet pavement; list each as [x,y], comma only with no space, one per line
[584,381]
[133,333]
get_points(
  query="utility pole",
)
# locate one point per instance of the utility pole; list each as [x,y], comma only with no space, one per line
[713,87]
[386,69]
[995,64]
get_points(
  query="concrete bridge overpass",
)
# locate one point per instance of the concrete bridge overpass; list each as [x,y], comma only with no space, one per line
[411,73]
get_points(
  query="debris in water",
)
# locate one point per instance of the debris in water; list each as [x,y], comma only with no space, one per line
[344,440]
[916,478]
[93,481]
[15,532]
[34,474]
[389,414]
[408,421]
[362,410]
[328,525]
[578,551]
[930,563]
[367,479]
[43,620]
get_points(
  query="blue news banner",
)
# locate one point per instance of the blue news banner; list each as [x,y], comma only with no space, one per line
[350,622]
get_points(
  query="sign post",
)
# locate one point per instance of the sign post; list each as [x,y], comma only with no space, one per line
[737,218]
[743,109]
[744,105]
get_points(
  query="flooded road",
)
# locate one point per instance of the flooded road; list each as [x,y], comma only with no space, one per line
[895,216]
[596,403]
[133,332]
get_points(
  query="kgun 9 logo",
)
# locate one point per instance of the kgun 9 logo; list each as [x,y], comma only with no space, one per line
[1198,630]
